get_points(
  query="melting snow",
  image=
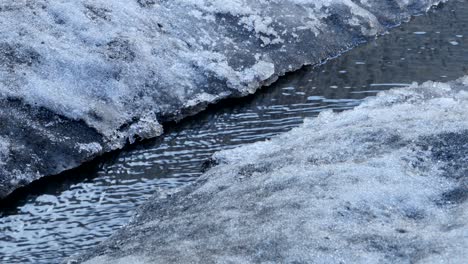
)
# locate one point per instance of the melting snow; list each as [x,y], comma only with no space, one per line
[383,183]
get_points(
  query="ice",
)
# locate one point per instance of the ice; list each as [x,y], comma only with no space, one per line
[124,67]
[383,183]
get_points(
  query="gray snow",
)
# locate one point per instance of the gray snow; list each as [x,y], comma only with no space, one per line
[383,183]
[123,67]
[35,142]
[4,150]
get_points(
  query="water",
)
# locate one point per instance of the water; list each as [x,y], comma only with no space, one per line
[59,216]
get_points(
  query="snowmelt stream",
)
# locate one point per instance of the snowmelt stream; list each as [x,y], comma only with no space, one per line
[60,217]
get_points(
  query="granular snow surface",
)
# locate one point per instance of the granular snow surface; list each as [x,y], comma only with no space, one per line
[105,73]
[383,183]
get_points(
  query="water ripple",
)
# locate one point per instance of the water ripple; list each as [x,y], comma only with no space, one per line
[79,214]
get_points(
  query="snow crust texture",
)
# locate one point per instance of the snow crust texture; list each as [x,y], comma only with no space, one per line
[384,183]
[124,67]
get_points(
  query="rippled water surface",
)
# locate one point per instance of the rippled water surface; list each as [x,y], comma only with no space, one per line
[77,210]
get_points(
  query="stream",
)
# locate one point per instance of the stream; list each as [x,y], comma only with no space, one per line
[62,215]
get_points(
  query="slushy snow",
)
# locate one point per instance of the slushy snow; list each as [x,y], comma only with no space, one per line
[383,183]
[119,65]
[122,68]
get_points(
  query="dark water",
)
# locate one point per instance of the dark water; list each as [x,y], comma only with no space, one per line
[60,216]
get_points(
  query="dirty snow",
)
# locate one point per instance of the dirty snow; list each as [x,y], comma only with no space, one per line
[4,150]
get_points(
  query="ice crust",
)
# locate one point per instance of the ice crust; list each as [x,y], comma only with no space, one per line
[383,183]
[124,67]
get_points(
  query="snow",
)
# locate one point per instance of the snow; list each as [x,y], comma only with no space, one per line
[104,61]
[93,147]
[123,67]
[125,260]
[35,142]
[383,183]
[4,150]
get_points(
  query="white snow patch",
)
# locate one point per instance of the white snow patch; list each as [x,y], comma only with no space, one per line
[89,148]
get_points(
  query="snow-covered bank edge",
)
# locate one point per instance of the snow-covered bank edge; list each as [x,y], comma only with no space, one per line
[93,96]
[386,182]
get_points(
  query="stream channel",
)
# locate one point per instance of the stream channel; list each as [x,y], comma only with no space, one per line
[61,215]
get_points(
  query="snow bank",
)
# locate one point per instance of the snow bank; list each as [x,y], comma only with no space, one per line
[384,183]
[123,67]
[114,63]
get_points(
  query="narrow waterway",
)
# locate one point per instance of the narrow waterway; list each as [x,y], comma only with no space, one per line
[62,215]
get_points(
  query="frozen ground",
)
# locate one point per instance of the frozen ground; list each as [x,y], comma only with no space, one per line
[383,183]
[79,78]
